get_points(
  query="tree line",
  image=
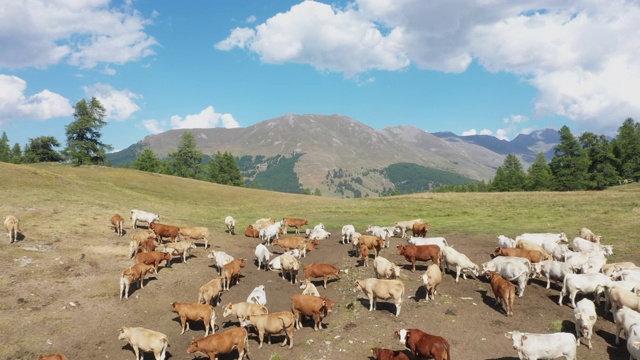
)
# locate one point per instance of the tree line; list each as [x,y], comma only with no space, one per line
[588,162]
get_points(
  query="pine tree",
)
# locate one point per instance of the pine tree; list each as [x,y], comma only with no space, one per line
[603,165]
[223,169]
[186,160]
[41,149]
[83,134]
[539,175]
[146,161]
[570,163]
[16,154]
[510,176]
[627,149]
[5,148]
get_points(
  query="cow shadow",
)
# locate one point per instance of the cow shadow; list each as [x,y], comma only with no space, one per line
[491,301]
[233,355]
[193,326]
[320,283]
[145,355]
[421,294]
[380,305]
[135,286]
[419,267]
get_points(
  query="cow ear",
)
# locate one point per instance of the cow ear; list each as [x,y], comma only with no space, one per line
[524,337]
[508,335]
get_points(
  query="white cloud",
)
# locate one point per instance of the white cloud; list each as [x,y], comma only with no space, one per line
[486,132]
[582,57]
[502,134]
[207,118]
[83,33]
[251,19]
[153,126]
[469,132]
[14,104]
[120,104]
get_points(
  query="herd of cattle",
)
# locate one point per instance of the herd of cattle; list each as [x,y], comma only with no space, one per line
[579,267]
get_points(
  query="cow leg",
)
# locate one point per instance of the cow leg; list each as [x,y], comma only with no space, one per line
[261,338]
[398,306]
[413,264]
[325,281]
[183,322]
[316,320]
[136,351]
[458,270]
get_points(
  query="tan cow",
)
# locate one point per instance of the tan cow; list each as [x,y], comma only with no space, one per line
[117,223]
[503,290]
[385,268]
[532,255]
[231,271]
[222,343]
[309,288]
[252,231]
[195,233]
[211,292]
[308,305]
[294,222]
[243,309]
[372,242]
[324,271]
[271,324]
[406,225]
[364,255]
[153,258]
[290,243]
[420,229]
[195,312]
[181,248]
[431,279]
[138,238]
[13,228]
[381,289]
[525,244]
[145,340]
[290,265]
[589,235]
[132,274]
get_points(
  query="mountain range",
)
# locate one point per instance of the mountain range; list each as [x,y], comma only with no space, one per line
[331,151]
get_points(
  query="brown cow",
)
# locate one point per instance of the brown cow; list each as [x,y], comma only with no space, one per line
[289,243]
[231,271]
[372,242]
[309,305]
[52,357]
[311,245]
[148,245]
[386,354]
[294,222]
[364,255]
[131,274]
[503,290]
[533,255]
[420,252]
[153,258]
[117,222]
[424,345]
[420,229]
[317,270]
[222,343]
[252,231]
[164,231]
[195,312]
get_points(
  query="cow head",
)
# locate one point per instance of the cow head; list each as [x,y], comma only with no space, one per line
[517,337]
[193,347]
[122,335]
[401,249]
[402,335]
[227,310]
[497,252]
[358,286]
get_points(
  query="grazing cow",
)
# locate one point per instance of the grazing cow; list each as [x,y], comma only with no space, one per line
[385,268]
[504,241]
[258,295]
[272,324]
[403,226]
[347,233]
[504,291]
[451,256]
[231,271]
[511,268]
[412,253]
[291,266]
[386,354]
[132,274]
[165,231]
[195,233]
[440,241]
[145,340]
[364,255]
[243,309]
[195,312]
[153,258]
[262,255]
[584,245]
[294,222]
[431,279]
[13,228]
[309,288]
[625,318]
[117,222]
[584,316]
[139,215]
[585,284]
[424,345]
[211,291]
[251,231]
[138,238]
[220,258]
[608,269]
[533,255]
[381,289]
[308,305]
[222,343]
[372,242]
[324,271]
[181,248]
[420,229]
[54,357]
[553,270]
[589,235]
[230,223]
[543,346]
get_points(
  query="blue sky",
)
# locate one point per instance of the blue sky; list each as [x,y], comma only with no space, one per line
[471,67]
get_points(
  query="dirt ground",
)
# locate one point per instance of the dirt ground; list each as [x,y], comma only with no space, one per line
[56,299]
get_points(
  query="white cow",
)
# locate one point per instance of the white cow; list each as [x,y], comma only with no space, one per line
[506,242]
[262,255]
[543,346]
[462,263]
[230,223]
[630,286]
[145,340]
[440,241]
[291,266]
[318,234]
[385,268]
[553,270]
[384,232]
[347,233]
[584,284]
[633,343]
[625,318]
[221,258]
[270,233]
[403,226]
[276,264]
[309,288]
[584,245]
[139,215]
[258,296]
[578,260]
[584,316]
[540,238]
[556,250]
[511,268]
